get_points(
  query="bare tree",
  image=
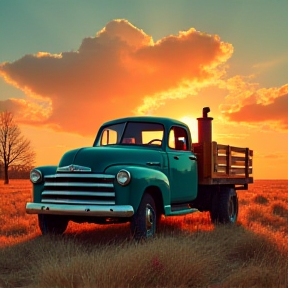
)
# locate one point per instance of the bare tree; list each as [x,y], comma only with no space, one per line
[14,147]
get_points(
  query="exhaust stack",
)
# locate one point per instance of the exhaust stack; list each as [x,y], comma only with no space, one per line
[205,127]
[203,149]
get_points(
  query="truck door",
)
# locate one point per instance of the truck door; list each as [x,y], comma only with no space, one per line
[182,166]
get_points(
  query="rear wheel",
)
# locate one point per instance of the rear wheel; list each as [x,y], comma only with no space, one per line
[144,221]
[225,206]
[52,224]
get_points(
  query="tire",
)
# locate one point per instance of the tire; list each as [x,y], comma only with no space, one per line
[225,206]
[52,224]
[144,221]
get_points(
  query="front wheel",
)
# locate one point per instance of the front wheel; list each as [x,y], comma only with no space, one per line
[225,206]
[52,224]
[143,224]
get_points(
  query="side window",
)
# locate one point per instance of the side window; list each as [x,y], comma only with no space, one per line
[178,139]
[108,137]
[171,140]
[111,134]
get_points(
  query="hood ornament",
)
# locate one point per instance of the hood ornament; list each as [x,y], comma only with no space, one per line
[74,168]
[71,167]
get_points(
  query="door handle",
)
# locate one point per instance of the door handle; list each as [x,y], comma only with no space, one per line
[153,163]
[176,157]
[192,158]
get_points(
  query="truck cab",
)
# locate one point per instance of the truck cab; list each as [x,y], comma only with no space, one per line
[138,169]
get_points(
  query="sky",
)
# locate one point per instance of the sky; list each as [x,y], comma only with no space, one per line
[68,66]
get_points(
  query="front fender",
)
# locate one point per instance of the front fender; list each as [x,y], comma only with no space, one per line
[141,179]
[38,188]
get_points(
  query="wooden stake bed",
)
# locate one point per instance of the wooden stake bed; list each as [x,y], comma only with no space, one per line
[223,164]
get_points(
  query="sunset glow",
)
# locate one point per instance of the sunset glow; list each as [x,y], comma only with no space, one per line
[193,126]
[62,79]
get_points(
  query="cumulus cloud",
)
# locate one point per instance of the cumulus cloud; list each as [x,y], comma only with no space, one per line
[275,112]
[246,102]
[118,72]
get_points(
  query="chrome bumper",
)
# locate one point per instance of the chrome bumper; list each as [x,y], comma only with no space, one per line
[80,210]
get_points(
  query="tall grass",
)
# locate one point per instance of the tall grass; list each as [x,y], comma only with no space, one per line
[187,252]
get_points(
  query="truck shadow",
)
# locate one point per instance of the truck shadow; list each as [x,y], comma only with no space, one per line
[118,233]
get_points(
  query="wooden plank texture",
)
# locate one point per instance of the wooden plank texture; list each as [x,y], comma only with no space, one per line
[218,161]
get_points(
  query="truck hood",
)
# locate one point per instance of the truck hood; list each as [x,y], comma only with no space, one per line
[100,158]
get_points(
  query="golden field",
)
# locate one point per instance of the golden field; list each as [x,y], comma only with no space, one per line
[188,251]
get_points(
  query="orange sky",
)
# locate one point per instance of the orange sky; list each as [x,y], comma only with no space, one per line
[122,71]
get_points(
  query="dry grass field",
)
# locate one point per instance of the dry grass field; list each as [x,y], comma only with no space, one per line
[187,252]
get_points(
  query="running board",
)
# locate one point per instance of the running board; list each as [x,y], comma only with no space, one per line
[177,210]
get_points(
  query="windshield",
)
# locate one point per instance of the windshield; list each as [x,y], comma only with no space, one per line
[133,133]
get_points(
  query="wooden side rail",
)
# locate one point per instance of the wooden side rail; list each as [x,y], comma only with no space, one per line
[231,161]
[223,161]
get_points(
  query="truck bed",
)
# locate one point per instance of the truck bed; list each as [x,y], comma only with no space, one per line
[223,164]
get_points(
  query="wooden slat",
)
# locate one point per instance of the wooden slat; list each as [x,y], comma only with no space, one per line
[233,170]
[238,158]
[238,163]
[247,163]
[222,160]
[221,147]
[228,165]
[240,171]
[221,169]
[244,162]
[214,157]
[238,149]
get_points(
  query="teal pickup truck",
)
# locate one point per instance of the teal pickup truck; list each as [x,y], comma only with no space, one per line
[138,169]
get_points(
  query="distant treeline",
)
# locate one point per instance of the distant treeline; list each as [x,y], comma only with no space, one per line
[16,171]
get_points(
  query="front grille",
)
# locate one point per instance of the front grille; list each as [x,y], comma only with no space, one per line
[76,188]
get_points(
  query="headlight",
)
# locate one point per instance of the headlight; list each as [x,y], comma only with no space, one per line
[35,176]
[123,177]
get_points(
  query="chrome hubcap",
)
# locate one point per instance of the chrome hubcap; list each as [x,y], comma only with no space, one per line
[150,220]
[232,212]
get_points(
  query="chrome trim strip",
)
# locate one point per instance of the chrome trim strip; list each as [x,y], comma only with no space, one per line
[71,175]
[80,210]
[78,184]
[77,201]
[78,193]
